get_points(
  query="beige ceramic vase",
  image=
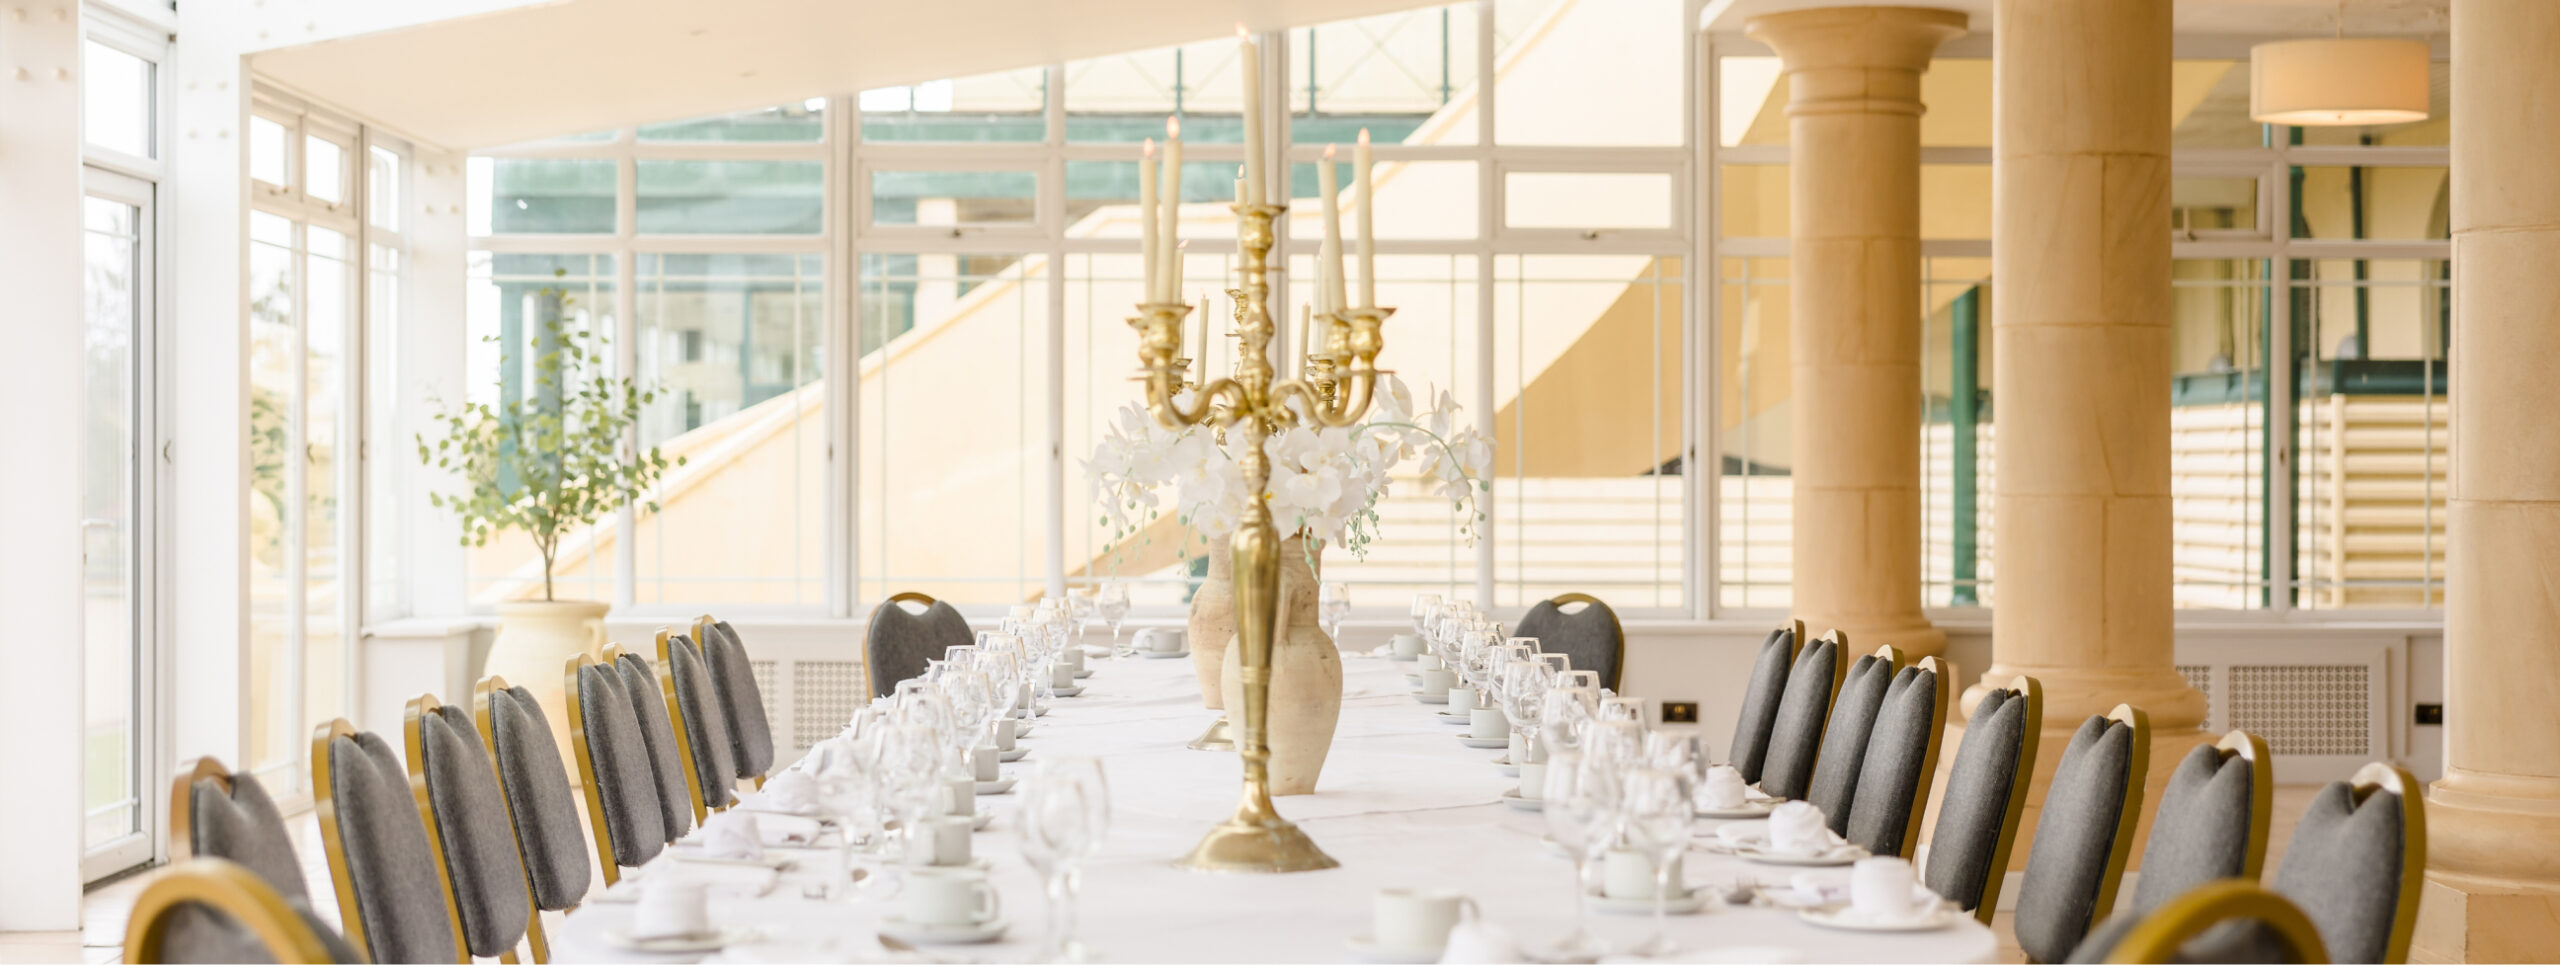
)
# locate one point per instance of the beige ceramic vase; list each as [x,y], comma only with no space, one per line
[1306,679]
[536,640]
[1213,623]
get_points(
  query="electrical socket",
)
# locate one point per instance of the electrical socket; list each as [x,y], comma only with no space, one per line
[1679,711]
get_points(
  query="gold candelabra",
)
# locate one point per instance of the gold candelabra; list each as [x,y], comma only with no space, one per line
[1255,403]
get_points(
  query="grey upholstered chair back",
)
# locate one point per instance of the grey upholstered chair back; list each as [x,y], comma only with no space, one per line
[391,893]
[1844,739]
[2211,822]
[209,909]
[1590,635]
[900,643]
[1986,791]
[2084,834]
[1795,739]
[2355,861]
[703,734]
[624,811]
[640,686]
[539,799]
[230,816]
[734,678]
[1901,760]
[2230,920]
[1760,700]
[476,837]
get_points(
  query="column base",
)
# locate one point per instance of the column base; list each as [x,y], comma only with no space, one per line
[2492,892]
[1915,636]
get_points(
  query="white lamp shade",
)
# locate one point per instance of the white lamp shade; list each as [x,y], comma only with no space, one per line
[2350,81]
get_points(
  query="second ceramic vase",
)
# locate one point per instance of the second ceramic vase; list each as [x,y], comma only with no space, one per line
[1306,675]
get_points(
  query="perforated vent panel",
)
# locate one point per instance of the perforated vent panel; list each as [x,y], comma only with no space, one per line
[2318,709]
[763,671]
[2200,677]
[824,694]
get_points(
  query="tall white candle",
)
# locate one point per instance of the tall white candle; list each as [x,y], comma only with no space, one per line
[1147,214]
[1252,57]
[1169,232]
[1329,185]
[1360,163]
[1306,323]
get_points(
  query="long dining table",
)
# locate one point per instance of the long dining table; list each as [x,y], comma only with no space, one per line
[1401,803]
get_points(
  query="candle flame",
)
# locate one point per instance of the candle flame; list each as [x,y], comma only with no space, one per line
[1243,35]
[1328,151]
[1149,149]
[1364,137]
[1172,127]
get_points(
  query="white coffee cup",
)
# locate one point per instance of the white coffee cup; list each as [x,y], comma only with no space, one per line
[1533,781]
[1160,639]
[1461,699]
[1724,789]
[982,764]
[1061,676]
[1881,888]
[1001,733]
[1407,645]
[672,908]
[1629,874]
[1487,723]
[1418,919]
[1436,682]
[960,797]
[941,841]
[1426,663]
[1518,752]
[950,896]
[1075,660]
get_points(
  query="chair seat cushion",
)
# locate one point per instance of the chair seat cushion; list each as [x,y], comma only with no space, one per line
[538,795]
[627,785]
[2200,832]
[750,732]
[1976,803]
[1795,737]
[2075,840]
[1834,788]
[1897,757]
[2343,867]
[649,713]
[1760,702]
[479,839]
[389,865]
[706,729]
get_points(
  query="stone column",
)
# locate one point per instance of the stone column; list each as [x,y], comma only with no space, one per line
[2493,822]
[2080,271]
[1853,115]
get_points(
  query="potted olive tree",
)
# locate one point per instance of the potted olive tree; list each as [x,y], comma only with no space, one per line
[547,461]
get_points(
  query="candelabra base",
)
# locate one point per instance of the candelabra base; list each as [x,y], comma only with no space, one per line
[1263,843]
[1216,738]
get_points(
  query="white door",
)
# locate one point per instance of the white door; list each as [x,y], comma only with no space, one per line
[116,469]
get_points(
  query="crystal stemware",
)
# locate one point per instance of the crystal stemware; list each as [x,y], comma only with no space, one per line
[1581,817]
[1656,811]
[1111,602]
[1066,808]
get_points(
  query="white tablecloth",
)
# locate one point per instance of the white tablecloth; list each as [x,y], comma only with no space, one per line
[1401,803]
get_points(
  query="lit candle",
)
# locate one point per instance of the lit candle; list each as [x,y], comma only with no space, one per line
[1169,233]
[1331,254]
[1360,162]
[1306,322]
[1147,214]
[1252,57]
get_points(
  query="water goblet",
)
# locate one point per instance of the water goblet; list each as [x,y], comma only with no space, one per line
[1656,815]
[1066,808]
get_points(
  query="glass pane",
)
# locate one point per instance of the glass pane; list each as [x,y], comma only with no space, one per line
[1156,554]
[1957,95]
[1589,430]
[951,198]
[1955,432]
[2394,203]
[732,197]
[326,162]
[734,346]
[387,456]
[116,100]
[2202,205]
[382,188]
[275,388]
[952,341]
[1590,73]
[511,297]
[1404,76]
[802,122]
[2218,440]
[1586,200]
[1755,521]
[1751,101]
[2372,431]
[1102,200]
[1416,199]
[1753,202]
[327,304]
[109,450]
[2209,105]
[270,152]
[1010,106]
[1955,201]
[541,196]
[1126,97]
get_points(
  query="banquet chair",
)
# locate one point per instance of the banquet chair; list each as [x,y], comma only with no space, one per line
[900,642]
[2181,929]
[377,844]
[469,829]
[1902,760]
[219,814]
[624,813]
[542,810]
[2356,862]
[2211,825]
[208,909]
[1804,708]
[1986,792]
[733,678]
[1844,741]
[702,731]
[646,693]
[1760,699]
[1591,636]
[2084,835]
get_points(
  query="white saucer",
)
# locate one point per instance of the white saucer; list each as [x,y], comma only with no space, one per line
[1065,691]
[1847,919]
[1840,854]
[1507,768]
[1688,904]
[980,820]
[1483,743]
[1512,797]
[1749,809]
[1431,698]
[1081,674]
[1163,654]
[978,863]
[1368,951]
[1013,755]
[1446,717]
[1403,658]
[969,933]
[695,856]
[712,940]
[996,786]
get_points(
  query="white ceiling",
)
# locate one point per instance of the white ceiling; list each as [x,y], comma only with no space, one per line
[577,65]
[2245,17]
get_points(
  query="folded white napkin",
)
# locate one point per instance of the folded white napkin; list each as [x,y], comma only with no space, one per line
[791,791]
[1477,940]
[1813,890]
[732,834]
[1723,789]
[1798,827]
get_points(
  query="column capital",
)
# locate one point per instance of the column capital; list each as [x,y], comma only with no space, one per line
[1827,38]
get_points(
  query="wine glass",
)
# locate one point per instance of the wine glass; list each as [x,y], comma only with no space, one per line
[1579,817]
[1425,608]
[1524,698]
[1111,602]
[1657,817]
[1333,604]
[1066,807]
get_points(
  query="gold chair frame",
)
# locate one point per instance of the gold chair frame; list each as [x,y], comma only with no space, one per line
[1940,694]
[2157,937]
[869,678]
[596,826]
[2251,749]
[2032,691]
[483,695]
[701,630]
[182,802]
[2380,777]
[2138,767]
[231,889]
[1563,600]
[684,736]
[325,805]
